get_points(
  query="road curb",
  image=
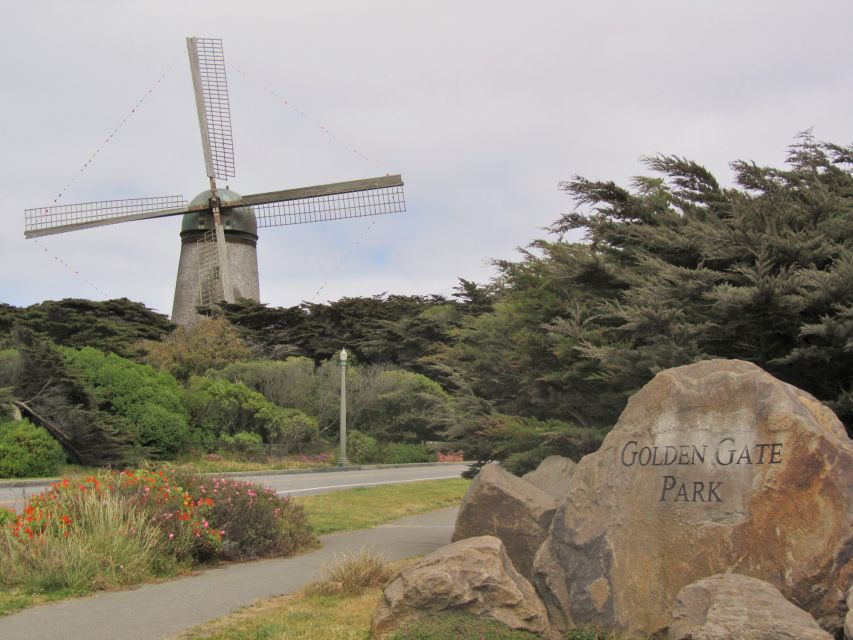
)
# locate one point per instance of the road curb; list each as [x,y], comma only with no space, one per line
[37,482]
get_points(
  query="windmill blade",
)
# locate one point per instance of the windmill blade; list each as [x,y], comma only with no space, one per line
[336,201]
[207,63]
[46,221]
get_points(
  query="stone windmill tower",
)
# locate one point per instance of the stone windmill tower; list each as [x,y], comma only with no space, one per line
[219,231]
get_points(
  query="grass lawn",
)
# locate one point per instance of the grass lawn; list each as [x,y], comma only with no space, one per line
[297,616]
[367,507]
[12,600]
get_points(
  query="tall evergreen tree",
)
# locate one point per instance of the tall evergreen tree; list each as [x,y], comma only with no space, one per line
[676,269]
[55,397]
[111,325]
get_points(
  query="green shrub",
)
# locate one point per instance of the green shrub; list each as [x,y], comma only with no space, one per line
[362,448]
[401,453]
[163,431]
[385,402]
[458,626]
[365,449]
[218,408]
[243,441]
[28,451]
[403,407]
[149,403]
[287,383]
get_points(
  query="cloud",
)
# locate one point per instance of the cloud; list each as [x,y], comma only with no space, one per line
[482,106]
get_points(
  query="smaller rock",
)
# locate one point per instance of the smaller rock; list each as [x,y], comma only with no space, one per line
[848,619]
[552,476]
[474,575]
[730,605]
[503,505]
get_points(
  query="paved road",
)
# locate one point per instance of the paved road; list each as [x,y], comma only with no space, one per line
[298,484]
[307,484]
[156,611]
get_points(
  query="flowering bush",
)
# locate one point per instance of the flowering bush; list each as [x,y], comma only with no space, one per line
[182,518]
[73,538]
[120,527]
[254,521]
[207,518]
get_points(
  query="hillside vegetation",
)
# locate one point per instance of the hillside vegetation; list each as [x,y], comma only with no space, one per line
[673,269]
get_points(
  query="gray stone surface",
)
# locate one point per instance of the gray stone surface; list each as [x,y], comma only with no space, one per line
[552,476]
[739,607]
[848,619]
[714,467]
[502,505]
[472,575]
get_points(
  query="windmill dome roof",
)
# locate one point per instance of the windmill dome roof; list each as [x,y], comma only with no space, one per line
[240,220]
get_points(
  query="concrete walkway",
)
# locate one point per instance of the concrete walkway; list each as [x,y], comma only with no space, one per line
[155,611]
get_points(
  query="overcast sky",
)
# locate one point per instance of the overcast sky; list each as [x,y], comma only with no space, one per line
[482,106]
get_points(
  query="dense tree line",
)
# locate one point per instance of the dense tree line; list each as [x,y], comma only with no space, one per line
[673,270]
[112,325]
[391,329]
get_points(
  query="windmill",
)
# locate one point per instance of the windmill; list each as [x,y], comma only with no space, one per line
[219,231]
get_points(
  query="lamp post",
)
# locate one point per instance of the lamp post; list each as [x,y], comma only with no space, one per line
[342,457]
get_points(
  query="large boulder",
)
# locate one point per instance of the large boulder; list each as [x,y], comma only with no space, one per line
[734,606]
[713,467]
[473,575]
[552,476]
[500,504]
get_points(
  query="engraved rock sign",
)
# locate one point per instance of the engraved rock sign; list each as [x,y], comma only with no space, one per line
[714,467]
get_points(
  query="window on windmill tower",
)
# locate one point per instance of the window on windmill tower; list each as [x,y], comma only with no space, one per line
[216,273]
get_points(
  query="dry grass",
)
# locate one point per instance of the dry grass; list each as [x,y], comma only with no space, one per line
[351,573]
[296,617]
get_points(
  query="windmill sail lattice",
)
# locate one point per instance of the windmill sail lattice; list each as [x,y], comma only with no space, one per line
[207,63]
[329,202]
[219,229]
[85,215]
